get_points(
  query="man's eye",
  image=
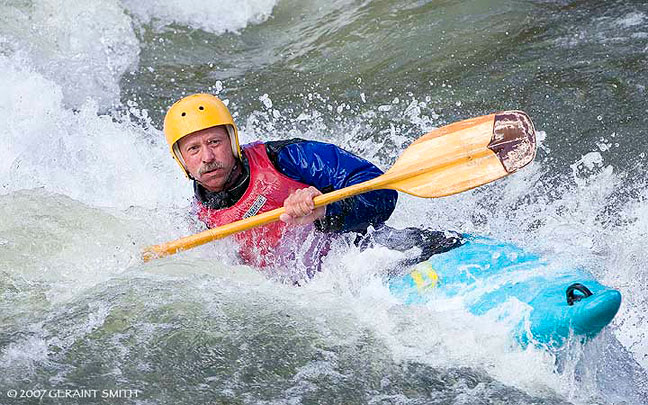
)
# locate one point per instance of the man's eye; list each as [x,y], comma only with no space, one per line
[214,142]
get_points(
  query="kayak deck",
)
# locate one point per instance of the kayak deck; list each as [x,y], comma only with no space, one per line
[561,302]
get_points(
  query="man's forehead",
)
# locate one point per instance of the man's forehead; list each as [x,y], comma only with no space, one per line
[219,131]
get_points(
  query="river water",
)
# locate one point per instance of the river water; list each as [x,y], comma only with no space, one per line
[86,182]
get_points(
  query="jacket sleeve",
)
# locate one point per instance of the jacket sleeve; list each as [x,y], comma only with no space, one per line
[328,168]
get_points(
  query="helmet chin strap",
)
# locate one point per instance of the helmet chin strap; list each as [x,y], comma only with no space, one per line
[176,150]
[233,141]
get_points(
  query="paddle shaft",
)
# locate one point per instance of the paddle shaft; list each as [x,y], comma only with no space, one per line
[220,232]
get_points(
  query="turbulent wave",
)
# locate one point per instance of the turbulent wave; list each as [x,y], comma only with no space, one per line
[82,153]
[216,17]
[84,47]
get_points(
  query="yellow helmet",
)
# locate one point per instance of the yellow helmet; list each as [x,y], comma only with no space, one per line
[194,113]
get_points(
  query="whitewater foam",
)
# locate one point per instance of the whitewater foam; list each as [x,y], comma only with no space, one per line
[215,17]
[85,47]
[83,154]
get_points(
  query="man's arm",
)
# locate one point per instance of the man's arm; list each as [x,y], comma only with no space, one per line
[327,168]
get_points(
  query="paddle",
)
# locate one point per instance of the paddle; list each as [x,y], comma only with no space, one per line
[445,161]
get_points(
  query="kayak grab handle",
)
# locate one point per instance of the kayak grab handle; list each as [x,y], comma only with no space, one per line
[572,297]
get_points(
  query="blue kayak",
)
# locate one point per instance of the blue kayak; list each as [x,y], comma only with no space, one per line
[561,303]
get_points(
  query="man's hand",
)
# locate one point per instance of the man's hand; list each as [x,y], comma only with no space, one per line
[300,208]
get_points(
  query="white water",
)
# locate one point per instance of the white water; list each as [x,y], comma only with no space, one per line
[85,47]
[82,154]
[212,16]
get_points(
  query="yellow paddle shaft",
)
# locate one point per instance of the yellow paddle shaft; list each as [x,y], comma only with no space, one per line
[380,182]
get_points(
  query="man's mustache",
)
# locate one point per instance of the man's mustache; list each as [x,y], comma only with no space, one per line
[208,167]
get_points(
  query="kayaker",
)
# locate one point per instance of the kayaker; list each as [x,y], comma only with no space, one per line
[233,182]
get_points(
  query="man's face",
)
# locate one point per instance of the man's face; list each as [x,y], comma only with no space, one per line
[208,156]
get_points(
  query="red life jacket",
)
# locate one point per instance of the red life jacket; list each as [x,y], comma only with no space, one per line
[267,190]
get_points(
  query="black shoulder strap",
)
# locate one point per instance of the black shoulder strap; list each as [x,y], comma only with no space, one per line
[274,147]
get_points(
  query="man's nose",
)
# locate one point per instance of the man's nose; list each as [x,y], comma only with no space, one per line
[207,155]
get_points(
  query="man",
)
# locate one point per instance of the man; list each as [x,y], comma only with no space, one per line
[233,182]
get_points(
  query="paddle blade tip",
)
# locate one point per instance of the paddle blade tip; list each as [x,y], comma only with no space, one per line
[514,139]
[151,252]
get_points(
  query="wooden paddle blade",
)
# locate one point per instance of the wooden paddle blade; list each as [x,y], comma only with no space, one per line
[466,154]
